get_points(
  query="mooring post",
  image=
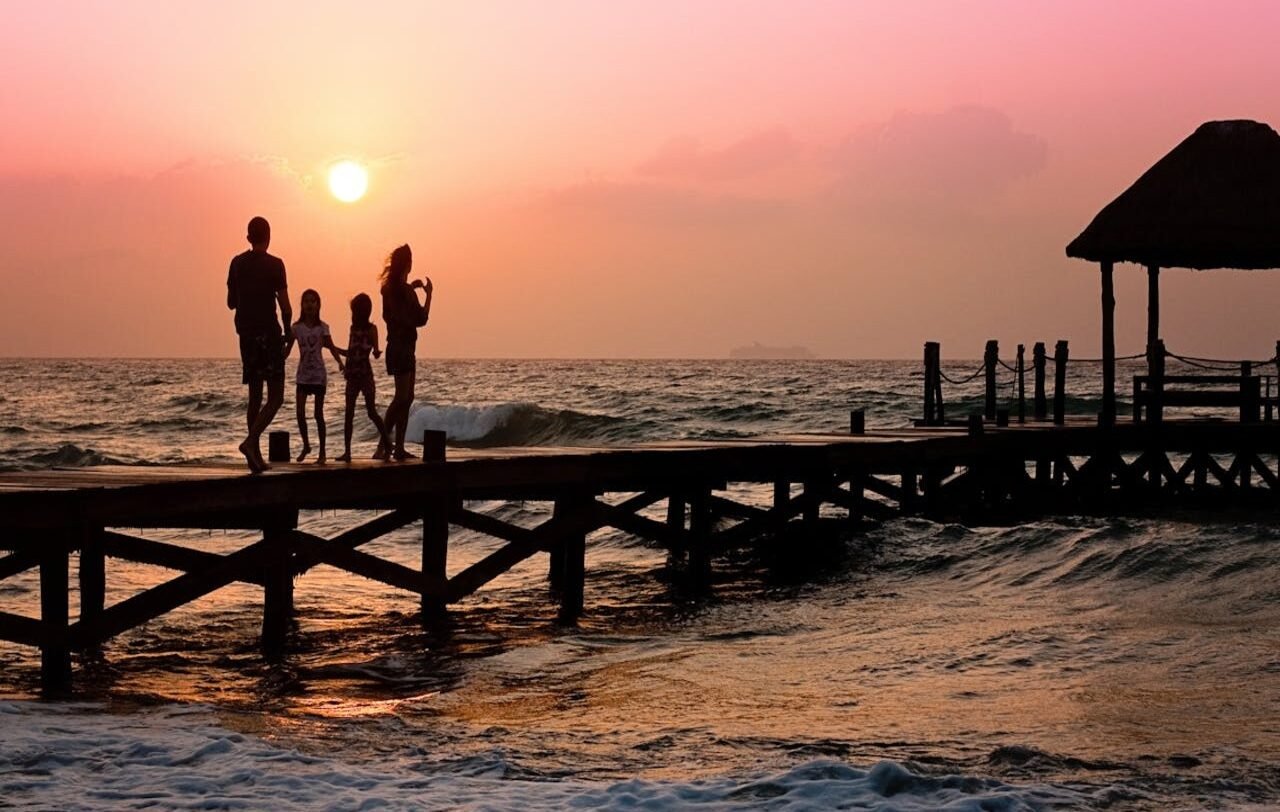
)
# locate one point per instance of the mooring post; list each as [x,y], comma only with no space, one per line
[93,574]
[1022,385]
[573,573]
[278,446]
[277,583]
[55,653]
[435,532]
[932,372]
[1060,383]
[858,422]
[1037,363]
[991,360]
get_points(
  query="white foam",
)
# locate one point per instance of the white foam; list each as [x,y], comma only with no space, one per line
[459,422]
[75,757]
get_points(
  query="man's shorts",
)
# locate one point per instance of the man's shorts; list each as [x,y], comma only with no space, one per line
[262,358]
[400,359]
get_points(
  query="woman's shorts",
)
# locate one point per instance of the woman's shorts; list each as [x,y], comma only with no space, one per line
[316,389]
[400,359]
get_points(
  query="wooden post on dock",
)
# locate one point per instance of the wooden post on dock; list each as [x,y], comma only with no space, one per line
[1251,392]
[573,557]
[435,530]
[991,360]
[933,415]
[1022,384]
[858,422]
[1060,383]
[55,652]
[277,583]
[1155,383]
[1040,408]
[278,447]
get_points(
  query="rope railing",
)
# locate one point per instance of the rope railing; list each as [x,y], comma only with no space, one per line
[962,381]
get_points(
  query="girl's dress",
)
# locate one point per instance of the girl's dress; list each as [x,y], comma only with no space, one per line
[312,375]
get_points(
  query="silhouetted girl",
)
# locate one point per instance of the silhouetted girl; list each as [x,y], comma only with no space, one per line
[403,315]
[362,341]
[312,336]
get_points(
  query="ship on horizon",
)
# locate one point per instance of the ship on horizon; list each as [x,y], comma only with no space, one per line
[762,351]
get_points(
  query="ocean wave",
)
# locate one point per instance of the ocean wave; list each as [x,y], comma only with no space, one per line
[516,424]
[76,757]
[67,455]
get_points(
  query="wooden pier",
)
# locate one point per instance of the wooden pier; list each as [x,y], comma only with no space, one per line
[982,472]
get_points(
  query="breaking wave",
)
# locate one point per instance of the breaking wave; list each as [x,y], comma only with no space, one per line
[517,424]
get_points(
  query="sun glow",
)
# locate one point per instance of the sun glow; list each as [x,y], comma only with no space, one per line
[348,181]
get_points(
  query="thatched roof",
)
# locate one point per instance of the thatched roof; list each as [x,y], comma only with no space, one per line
[1213,202]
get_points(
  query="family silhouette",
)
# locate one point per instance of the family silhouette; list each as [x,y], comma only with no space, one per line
[257,288]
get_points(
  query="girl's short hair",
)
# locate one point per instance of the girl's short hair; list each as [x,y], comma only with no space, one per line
[361,309]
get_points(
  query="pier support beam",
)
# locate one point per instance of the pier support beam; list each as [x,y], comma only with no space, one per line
[700,526]
[55,654]
[435,531]
[1108,345]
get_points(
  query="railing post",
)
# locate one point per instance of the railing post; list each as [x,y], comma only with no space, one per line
[991,360]
[1038,364]
[1155,382]
[1022,384]
[930,369]
[435,532]
[1060,383]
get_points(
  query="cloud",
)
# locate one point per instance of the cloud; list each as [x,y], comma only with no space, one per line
[959,155]
[658,204]
[686,158]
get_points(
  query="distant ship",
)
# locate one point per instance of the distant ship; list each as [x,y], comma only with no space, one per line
[758,350]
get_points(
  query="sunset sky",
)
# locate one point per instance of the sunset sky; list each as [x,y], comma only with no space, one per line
[603,179]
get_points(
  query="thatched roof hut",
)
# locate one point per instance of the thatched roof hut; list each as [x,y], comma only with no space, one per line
[1212,202]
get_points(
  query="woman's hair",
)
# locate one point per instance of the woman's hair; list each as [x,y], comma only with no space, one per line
[397,267]
[361,309]
[302,312]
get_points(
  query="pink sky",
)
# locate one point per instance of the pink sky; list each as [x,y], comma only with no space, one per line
[616,179]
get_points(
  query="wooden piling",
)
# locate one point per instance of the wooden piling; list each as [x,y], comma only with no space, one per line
[573,555]
[1108,344]
[55,652]
[93,574]
[933,413]
[277,583]
[1060,383]
[991,360]
[1040,408]
[700,527]
[435,531]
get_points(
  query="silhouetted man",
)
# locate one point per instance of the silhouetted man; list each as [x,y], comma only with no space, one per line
[255,285]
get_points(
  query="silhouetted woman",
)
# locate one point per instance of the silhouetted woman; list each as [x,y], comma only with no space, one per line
[403,316]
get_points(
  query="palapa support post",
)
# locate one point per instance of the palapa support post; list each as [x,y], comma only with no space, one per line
[1060,383]
[93,573]
[858,422]
[55,652]
[991,360]
[1022,384]
[278,446]
[1108,344]
[1040,407]
[277,583]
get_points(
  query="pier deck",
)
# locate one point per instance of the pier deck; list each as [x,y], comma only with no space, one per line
[48,516]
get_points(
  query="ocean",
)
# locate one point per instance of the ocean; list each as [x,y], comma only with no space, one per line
[1068,663]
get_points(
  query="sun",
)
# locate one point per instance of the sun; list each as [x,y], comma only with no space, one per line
[348,181]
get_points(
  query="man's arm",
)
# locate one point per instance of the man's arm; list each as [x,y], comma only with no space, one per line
[233,298]
[286,312]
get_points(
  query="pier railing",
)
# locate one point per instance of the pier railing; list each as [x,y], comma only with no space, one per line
[1211,383]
